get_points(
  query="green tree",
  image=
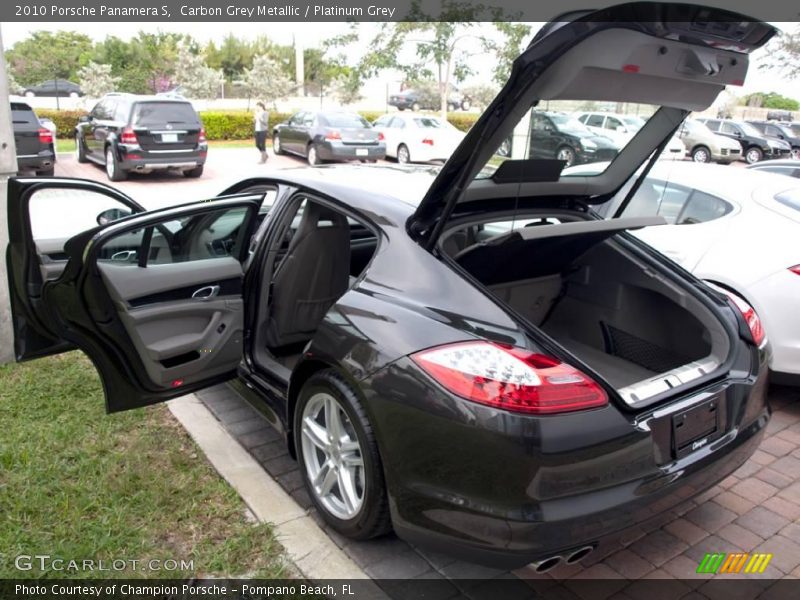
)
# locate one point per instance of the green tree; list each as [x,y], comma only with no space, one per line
[13,85]
[770,100]
[267,81]
[96,80]
[481,94]
[48,55]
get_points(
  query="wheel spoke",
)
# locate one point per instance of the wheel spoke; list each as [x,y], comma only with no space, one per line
[352,461]
[333,421]
[315,433]
[347,489]
[328,479]
[349,446]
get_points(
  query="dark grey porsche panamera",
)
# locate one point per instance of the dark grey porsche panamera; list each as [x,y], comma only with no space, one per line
[471,357]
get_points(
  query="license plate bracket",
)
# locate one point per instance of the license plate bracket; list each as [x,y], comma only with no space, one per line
[695,427]
[362,152]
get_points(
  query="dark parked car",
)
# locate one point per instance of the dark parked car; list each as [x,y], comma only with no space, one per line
[554,135]
[34,141]
[128,133]
[470,355]
[416,101]
[54,87]
[755,145]
[779,115]
[777,131]
[328,136]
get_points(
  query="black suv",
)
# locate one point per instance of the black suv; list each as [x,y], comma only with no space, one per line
[34,142]
[418,100]
[142,133]
[778,131]
[755,145]
[560,136]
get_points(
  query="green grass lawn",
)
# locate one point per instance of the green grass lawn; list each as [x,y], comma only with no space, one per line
[76,483]
[68,144]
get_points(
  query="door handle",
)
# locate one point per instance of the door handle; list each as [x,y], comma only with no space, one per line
[204,293]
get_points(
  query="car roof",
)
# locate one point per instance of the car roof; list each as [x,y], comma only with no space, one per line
[723,180]
[145,98]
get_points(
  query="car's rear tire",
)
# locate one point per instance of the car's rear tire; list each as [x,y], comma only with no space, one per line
[276,144]
[339,459]
[196,172]
[46,172]
[701,154]
[566,154]
[466,105]
[796,152]
[312,156]
[80,151]
[753,155]
[29,93]
[403,155]
[113,170]
[401,108]
[415,107]
[73,94]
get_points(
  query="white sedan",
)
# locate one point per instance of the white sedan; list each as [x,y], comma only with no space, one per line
[415,137]
[738,228]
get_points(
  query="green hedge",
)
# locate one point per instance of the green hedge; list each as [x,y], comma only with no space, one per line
[229,124]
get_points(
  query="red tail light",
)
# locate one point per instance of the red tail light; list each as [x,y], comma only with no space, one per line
[510,378]
[333,135]
[750,317]
[428,141]
[45,136]
[795,269]
[128,136]
[202,138]
[380,136]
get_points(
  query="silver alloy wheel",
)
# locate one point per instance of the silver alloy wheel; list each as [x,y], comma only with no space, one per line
[700,155]
[753,155]
[276,144]
[77,147]
[110,168]
[312,155]
[403,155]
[332,456]
[796,153]
[567,155]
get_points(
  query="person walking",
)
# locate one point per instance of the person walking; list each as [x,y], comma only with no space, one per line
[261,130]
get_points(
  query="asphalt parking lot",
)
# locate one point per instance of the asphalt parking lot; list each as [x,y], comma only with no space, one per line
[755,510]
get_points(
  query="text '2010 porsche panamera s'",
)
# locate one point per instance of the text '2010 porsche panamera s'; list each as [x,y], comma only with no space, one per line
[475,359]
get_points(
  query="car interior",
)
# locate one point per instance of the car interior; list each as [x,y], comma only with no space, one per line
[576,282]
[315,257]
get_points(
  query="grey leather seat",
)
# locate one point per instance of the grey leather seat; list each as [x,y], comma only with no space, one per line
[313,275]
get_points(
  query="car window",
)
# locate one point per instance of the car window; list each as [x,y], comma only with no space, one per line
[679,205]
[781,170]
[23,114]
[774,131]
[384,121]
[296,119]
[428,123]
[729,128]
[790,198]
[398,123]
[148,114]
[215,234]
[122,111]
[346,120]
[595,121]
[614,124]
[308,119]
[712,125]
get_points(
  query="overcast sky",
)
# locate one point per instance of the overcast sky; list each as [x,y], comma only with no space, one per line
[311,33]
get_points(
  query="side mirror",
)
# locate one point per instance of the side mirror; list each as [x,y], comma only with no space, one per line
[737,133]
[84,119]
[112,214]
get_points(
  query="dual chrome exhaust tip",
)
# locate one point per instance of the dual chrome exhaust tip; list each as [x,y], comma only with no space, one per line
[569,558]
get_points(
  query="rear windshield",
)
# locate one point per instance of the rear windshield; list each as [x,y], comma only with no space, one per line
[790,198]
[428,122]
[344,120]
[149,114]
[22,113]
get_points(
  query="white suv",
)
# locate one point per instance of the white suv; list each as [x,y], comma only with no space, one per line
[621,128]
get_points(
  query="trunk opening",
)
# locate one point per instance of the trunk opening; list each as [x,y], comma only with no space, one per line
[642,332]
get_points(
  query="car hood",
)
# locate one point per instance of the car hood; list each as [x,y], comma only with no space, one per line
[565,61]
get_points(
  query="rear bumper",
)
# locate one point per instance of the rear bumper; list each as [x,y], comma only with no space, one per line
[44,159]
[134,158]
[338,151]
[507,490]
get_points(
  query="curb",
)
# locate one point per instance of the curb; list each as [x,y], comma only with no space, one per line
[307,546]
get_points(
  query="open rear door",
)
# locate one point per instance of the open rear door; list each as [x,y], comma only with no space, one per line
[155,299]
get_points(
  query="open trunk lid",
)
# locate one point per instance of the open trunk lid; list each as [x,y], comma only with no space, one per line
[677,56]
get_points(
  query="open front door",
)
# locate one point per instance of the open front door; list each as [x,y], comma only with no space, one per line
[155,299]
[43,213]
